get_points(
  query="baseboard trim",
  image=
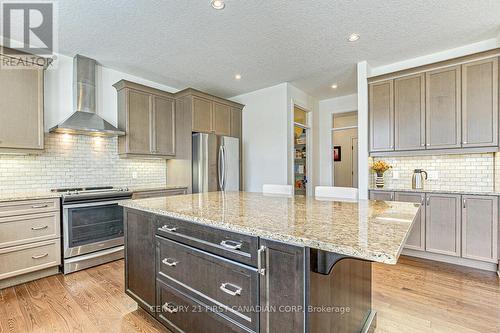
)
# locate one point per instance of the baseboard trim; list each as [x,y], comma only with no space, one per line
[15,280]
[487,266]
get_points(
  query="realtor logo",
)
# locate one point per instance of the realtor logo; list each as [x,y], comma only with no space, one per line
[28,26]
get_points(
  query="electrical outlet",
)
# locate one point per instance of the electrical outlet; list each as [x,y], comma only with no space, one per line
[433,175]
[134,175]
[395,175]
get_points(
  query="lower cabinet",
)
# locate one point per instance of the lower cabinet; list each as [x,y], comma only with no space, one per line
[443,224]
[192,281]
[416,239]
[282,287]
[458,225]
[139,258]
[480,227]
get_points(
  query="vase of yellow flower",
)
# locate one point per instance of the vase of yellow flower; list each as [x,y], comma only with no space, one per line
[379,167]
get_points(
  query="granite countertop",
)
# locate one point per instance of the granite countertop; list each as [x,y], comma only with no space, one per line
[32,195]
[434,191]
[155,188]
[371,230]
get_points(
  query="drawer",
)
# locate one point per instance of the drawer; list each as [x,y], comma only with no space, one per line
[23,229]
[181,313]
[28,258]
[157,193]
[213,279]
[231,245]
[23,207]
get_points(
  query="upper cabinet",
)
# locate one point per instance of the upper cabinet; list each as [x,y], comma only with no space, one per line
[409,112]
[21,105]
[381,97]
[442,108]
[211,114]
[480,103]
[147,115]
[450,107]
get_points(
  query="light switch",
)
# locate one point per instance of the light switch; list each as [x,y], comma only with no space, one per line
[134,175]
[395,175]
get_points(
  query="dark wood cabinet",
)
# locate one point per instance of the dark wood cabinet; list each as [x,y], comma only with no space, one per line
[283,287]
[140,269]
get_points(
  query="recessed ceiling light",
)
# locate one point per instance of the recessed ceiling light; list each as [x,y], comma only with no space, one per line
[218,4]
[237,76]
[353,37]
[334,86]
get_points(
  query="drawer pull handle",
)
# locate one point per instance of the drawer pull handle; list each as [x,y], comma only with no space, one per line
[260,252]
[40,206]
[170,307]
[167,228]
[170,262]
[40,256]
[232,245]
[235,292]
[40,228]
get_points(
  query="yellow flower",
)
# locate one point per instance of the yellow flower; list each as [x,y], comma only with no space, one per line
[381,166]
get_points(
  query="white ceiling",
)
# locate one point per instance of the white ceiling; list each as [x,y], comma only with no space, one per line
[187,43]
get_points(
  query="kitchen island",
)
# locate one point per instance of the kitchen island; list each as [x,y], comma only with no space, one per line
[248,262]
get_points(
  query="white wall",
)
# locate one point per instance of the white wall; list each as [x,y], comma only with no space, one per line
[59,91]
[327,108]
[264,137]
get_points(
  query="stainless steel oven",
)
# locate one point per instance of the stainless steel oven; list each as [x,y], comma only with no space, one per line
[92,227]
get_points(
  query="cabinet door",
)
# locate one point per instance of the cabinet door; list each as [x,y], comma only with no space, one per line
[442,224]
[282,286]
[442,108]
[480,227]
[202,115]
[409,112]
[21,105]
[221,119]
[164,126]
[236,122]
[480,103]
[140,279]
[139,129]
[381,104]
[382,195]
[416,239]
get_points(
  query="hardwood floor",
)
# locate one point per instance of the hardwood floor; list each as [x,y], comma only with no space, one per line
[413,296]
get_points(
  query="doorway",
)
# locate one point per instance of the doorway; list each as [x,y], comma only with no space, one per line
[301,132]
[344,147]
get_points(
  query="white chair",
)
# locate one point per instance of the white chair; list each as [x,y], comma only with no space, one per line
[277,189]
[347,193]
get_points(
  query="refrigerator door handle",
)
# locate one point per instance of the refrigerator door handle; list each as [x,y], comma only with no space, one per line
[224,169]
[219,169]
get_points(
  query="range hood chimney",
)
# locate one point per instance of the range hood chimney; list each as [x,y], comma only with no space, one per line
[84,120]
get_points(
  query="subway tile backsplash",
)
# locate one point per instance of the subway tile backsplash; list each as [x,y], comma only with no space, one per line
[77,160]
[470,172]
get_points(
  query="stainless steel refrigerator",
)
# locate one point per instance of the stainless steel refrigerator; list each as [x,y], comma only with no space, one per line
[216,163]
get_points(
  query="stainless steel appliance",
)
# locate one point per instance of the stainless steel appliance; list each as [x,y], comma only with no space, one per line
[216,163]
[92,226]
[417,180]
[85,120]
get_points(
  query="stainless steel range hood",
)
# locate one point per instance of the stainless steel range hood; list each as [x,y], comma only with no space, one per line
[85,121]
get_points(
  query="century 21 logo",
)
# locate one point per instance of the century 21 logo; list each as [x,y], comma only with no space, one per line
[29,27]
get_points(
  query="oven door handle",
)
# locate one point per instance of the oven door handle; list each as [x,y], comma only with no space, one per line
[93,204]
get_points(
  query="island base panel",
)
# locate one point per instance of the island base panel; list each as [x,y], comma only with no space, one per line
[341,301]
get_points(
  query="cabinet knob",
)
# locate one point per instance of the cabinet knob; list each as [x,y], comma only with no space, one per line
[170,262]
[232,245]
[167,228]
